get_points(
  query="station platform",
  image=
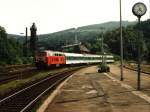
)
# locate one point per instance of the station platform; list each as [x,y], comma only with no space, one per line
[90,91]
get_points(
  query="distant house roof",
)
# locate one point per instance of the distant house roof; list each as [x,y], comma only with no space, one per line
[77,48]
[72,45]
[83,49]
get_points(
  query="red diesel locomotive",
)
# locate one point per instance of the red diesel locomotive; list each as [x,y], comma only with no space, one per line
[49,58]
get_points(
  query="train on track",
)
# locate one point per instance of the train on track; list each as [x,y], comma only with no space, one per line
[50,58]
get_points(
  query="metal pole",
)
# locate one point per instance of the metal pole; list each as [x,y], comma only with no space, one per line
[121,44]
[103,52]
[102,49]
[102,45]
[139,60]
[76,37]
[0,42]
[26,41]
[149,8]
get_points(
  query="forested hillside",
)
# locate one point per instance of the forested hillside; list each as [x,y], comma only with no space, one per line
[11,50]
[85,34]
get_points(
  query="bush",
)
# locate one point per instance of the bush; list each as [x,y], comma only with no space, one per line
[18,61]
[3,63]
[116,57]
[27,60]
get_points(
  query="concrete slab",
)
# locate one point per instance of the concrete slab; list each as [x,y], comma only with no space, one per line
[89,91]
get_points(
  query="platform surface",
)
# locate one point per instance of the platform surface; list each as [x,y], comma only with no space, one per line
[89,91]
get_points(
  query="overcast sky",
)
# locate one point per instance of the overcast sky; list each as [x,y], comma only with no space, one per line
[55,15]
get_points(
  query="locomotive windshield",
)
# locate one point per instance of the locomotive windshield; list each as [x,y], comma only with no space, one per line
[40,54]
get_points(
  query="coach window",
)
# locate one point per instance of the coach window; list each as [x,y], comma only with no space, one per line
[87,58]
[74,58]
[69,58]
[80,58]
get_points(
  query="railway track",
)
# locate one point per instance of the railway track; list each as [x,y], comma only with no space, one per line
[134,69]
[19,74]
[13,68]
[25,99]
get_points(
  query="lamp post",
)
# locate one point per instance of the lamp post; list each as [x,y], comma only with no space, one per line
[26,42]
[0,42]
[102,46]
[149,8]
[121,44]
[139,9]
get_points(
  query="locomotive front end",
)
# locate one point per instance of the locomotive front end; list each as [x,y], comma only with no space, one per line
[41,59]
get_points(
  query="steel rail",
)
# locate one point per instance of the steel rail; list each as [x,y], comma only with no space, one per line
[27,88]
[39,96]
[15,75]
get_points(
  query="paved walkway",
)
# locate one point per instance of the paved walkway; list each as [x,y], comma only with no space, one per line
[89,91]
[130,78]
